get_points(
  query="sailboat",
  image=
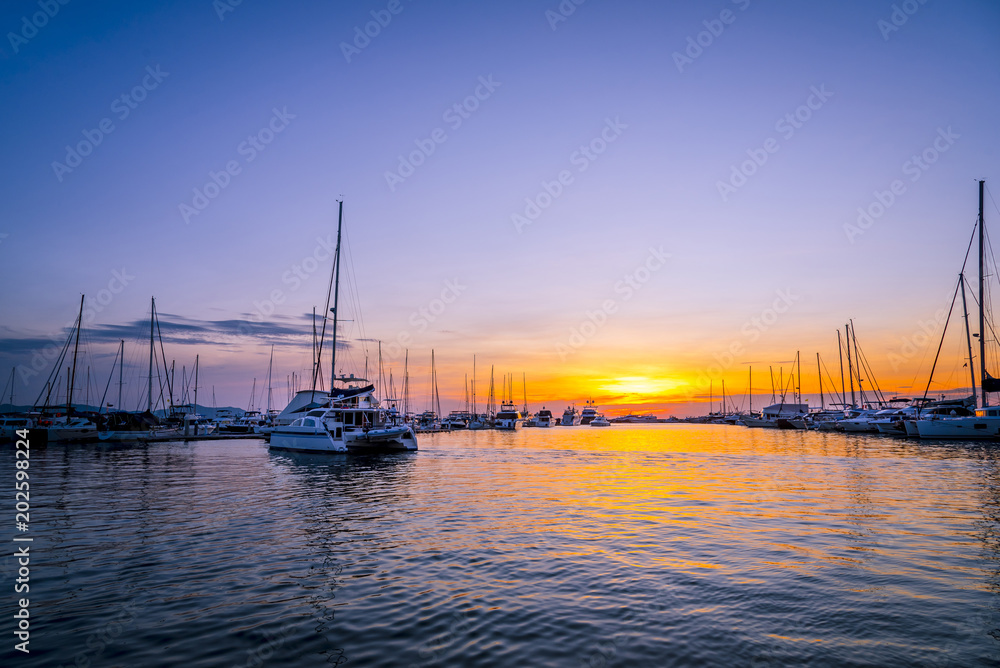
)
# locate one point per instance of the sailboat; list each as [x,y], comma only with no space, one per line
[123,426]
[69,427]
[985,424]
[347,418]
[782,415]
[478,421]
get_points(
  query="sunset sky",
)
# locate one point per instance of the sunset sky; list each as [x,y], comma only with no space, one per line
[605,197]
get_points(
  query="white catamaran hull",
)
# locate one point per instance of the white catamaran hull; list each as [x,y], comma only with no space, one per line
[305,440]
[387,438]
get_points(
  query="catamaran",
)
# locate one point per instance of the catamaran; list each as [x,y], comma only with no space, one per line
[348,418]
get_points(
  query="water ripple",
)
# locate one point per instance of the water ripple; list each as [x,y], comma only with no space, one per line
[647,545]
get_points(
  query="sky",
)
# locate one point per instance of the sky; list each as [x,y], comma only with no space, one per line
[630,202]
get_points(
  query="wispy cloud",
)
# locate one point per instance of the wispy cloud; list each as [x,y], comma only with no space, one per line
[179,330]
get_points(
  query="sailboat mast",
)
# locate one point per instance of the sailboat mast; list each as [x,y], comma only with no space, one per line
[750,391]
[315,360]
[149,390]
[270,365]
[840,351]
[982,296]
[121,372]
[968,339]
[857,363]
[437,397]
[819,372]
[524,387]
[195,410]
[336,298]
[850,369]
[76,349]
[798,375]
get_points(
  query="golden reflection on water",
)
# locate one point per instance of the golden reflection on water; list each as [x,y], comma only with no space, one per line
[802,500]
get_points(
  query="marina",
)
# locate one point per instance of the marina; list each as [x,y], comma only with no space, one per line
[566,334]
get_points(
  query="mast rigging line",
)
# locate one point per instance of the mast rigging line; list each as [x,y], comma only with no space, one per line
[170,384]
[56,368]
[832,384]
[326,313]
[989,321]
[945,331]
[880,398]
[353,294]
[111,375]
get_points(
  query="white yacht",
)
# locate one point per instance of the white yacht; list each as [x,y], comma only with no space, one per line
[648,418]
[568,417]
[248,423]
[427,422]
[946,408]
[508,418]
[223,417]
[589,412]
[860,421]
[543,418]
[779,416]
[600,421]
[197,425]
[456,420]
[892,422]
[983,425]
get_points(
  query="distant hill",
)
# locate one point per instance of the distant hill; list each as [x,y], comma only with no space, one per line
[207,411]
